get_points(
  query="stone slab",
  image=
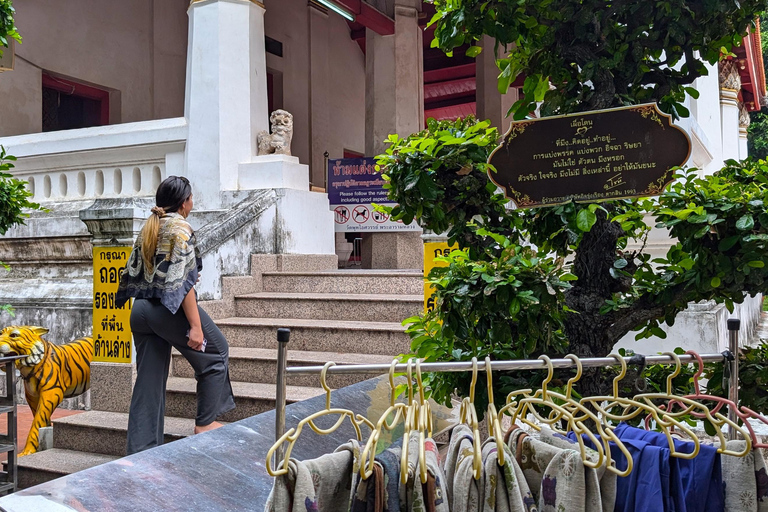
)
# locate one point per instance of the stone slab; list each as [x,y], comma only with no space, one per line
[345,281]
[384,338]
[48,465]
[326,306]
[260,365]
[111,386]
[105,432]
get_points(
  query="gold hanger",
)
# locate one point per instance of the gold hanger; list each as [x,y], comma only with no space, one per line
[292,435]
[492,417]
[632,407]
[411,423]
[399,410]
[522,403]
[468,416]
[717,420]
[424,424]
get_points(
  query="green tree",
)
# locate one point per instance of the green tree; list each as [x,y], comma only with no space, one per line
[557,279]
[7,25]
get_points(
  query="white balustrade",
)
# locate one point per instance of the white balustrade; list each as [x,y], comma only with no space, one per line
[125,160]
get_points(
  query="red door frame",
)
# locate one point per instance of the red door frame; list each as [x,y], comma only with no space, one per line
[84,91]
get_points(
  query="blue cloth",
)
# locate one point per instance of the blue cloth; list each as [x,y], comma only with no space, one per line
[646,488]
[700,478]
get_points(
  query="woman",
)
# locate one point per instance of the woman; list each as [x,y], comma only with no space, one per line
[161,274]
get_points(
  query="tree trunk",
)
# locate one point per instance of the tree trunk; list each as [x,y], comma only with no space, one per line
[587,329]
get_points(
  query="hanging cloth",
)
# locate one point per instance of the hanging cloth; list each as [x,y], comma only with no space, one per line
[464,493]
[554,475]
[600,484]
[416,496]
[701,477]
[505,488]
[646,488]
[745,481]
[317,485]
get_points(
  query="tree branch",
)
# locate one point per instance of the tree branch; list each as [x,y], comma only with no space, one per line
[643,310]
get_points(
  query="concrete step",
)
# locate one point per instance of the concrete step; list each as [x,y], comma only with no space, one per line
[251,398]
[50,464]
[260,365]
[329,306]
[385,338]
[105,432]
[404,282]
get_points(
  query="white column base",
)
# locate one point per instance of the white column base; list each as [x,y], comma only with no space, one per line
[273,171]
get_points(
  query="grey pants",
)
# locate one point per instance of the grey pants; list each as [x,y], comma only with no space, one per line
[155,331]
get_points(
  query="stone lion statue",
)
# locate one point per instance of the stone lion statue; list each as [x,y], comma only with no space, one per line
[279,141]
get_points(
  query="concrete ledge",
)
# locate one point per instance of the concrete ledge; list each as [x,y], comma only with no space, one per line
[273,171]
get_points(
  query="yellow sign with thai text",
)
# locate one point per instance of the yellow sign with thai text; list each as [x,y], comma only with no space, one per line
[433,250]
[111,325]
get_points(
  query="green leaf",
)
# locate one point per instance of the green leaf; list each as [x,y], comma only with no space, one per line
[474,51]
[756,264]
[585,220]
[745,223]
[568,277]
[715,282]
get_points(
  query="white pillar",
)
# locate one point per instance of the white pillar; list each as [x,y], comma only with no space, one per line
[744,121]
[491,104]
[730,85]
[226,93]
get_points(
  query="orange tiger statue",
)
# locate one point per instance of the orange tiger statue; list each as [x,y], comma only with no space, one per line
[51,372]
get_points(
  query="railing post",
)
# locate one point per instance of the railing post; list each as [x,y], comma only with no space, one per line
[733,388]
[283,335]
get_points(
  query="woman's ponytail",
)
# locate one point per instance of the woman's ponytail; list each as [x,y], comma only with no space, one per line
[149,237]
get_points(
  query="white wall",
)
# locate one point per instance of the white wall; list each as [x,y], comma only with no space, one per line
[323,81]
[136,47]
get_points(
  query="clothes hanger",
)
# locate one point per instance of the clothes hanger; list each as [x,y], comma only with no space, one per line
[292,435]
[424,424]
[468,416]
[411,422]
[400,412]
[521,404]
[751,438]
[717,420]
[607,406]
[494,424]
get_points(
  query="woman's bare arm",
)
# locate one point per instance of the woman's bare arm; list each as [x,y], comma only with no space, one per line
[189,305]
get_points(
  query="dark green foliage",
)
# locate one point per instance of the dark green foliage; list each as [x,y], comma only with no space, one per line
[7,25]
[598,54]
[758,133]
[14,196]
[753,378]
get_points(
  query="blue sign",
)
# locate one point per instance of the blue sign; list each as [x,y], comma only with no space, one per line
[355,181]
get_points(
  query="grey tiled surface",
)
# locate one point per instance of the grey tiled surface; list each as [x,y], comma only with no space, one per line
[347,281]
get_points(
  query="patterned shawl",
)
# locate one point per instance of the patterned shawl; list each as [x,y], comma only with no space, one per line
[177,263]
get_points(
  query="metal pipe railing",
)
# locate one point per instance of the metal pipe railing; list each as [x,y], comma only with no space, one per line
[463,366]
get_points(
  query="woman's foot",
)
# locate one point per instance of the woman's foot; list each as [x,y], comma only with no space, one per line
[206,428]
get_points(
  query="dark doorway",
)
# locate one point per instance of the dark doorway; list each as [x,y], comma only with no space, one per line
[68,105]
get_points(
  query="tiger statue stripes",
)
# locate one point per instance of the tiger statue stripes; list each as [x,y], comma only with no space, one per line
[51,372]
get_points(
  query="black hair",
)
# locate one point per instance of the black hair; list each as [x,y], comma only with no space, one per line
[172,193]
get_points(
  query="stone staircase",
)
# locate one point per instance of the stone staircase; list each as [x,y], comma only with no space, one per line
[345,316]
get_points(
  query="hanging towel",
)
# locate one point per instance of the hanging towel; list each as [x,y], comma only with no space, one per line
[555,476]
[701,477]
[462,490]
[600,483]
[505,488]
[745,481]
[418,497]
[389,460]
[317,485]
[646,488]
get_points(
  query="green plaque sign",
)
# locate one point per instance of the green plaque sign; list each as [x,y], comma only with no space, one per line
[589,157]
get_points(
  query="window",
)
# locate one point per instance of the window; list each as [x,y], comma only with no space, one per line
[348,153]
[68,104]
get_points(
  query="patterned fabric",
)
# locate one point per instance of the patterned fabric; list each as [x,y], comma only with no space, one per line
[463,491]
[389,460]
[318,485]
[414,496]
[555,476]
[505,488]
[745,480]
[177,264]
[600,484]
